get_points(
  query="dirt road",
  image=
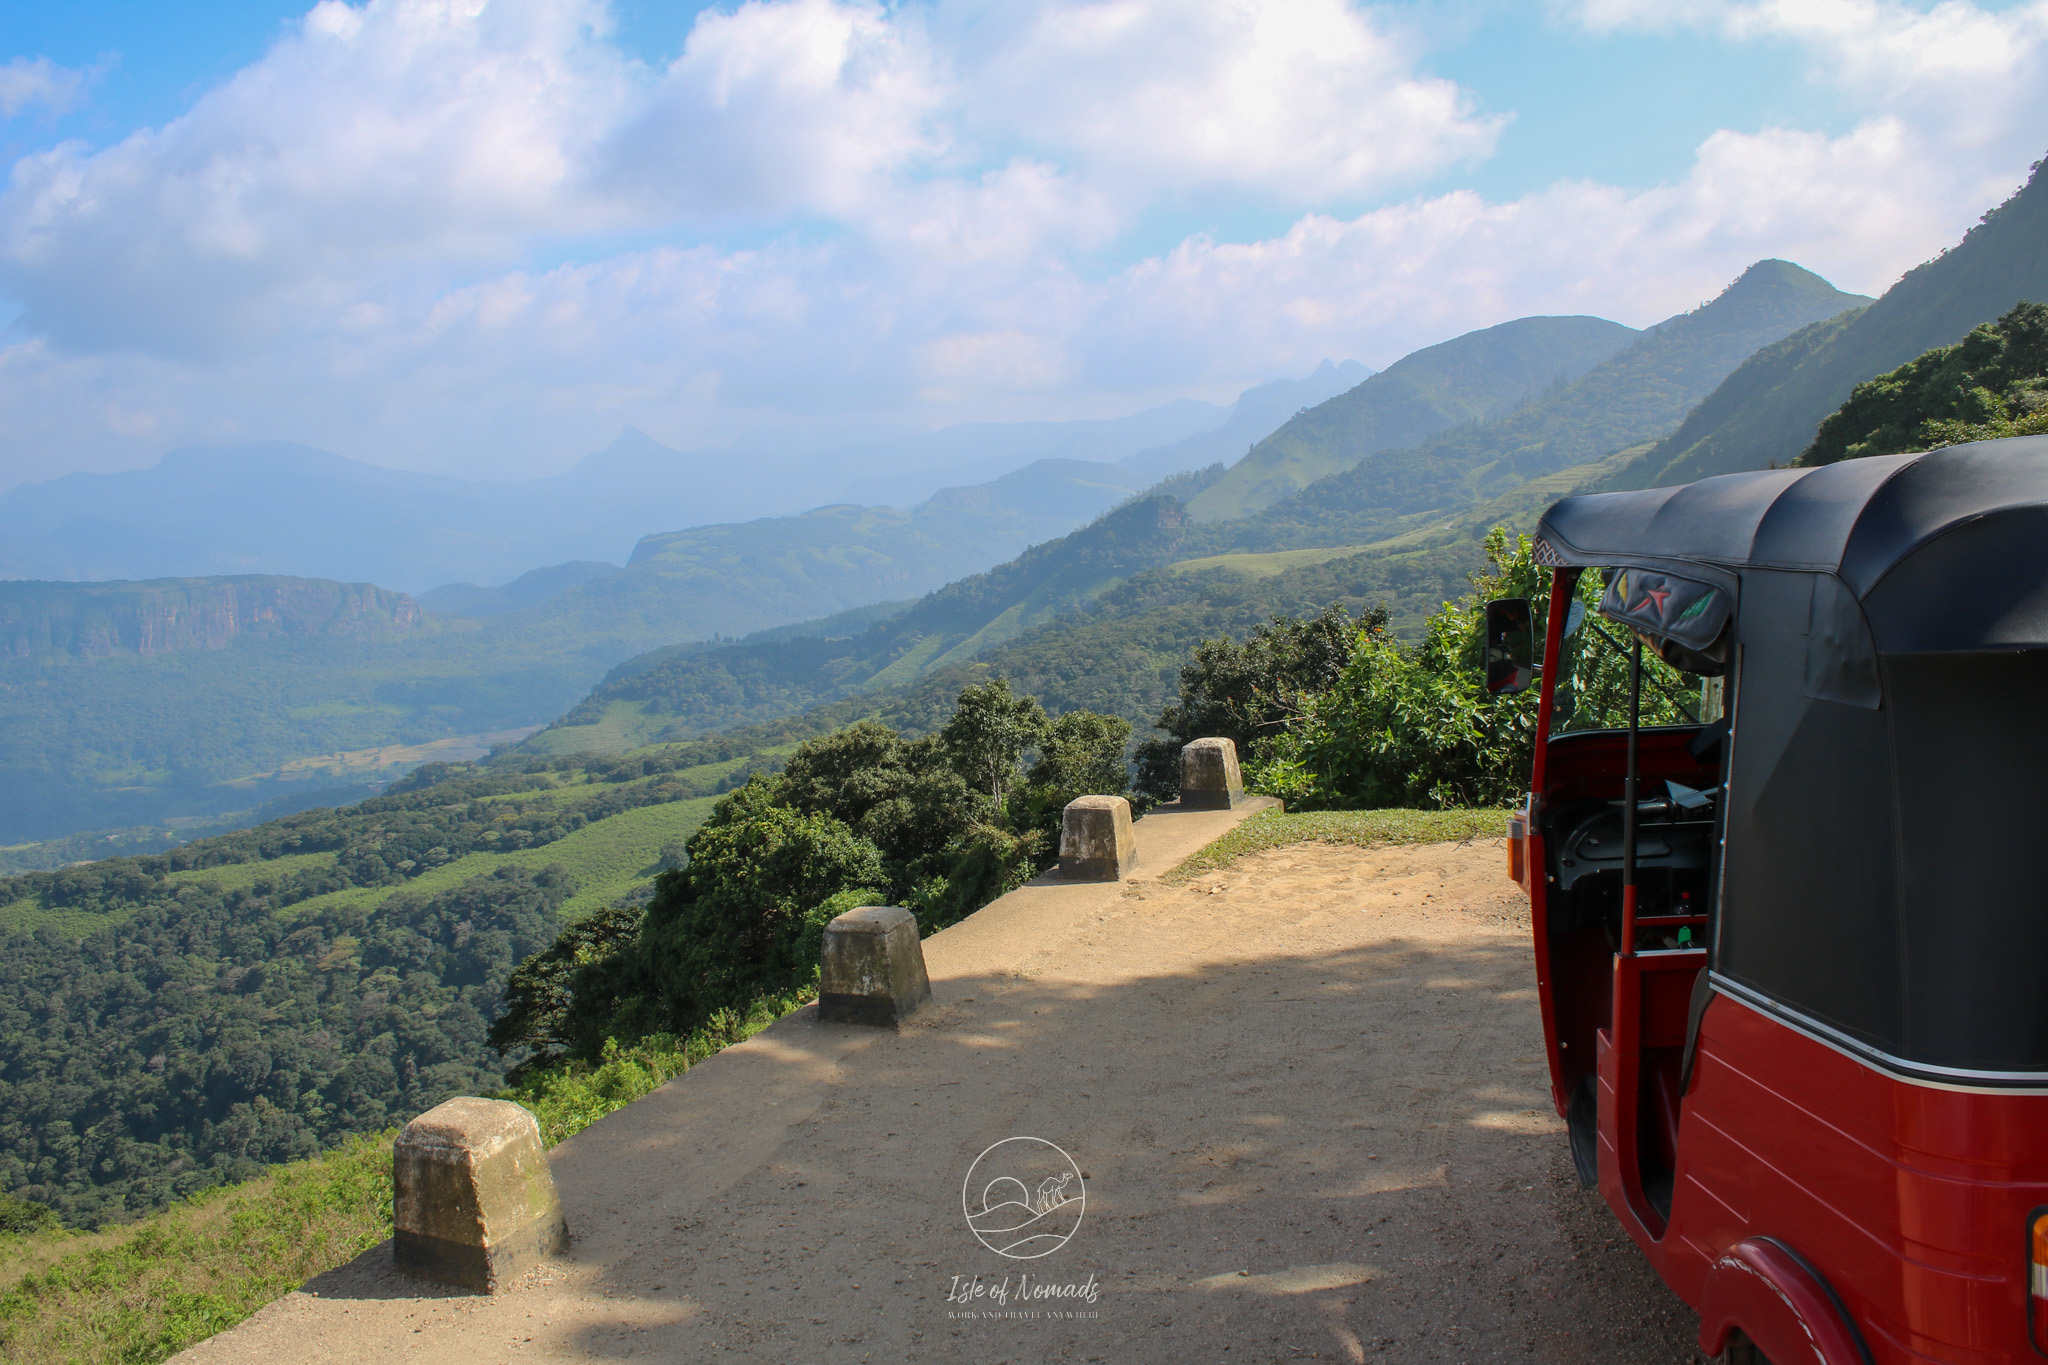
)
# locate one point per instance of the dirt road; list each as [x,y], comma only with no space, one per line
[1305,1098]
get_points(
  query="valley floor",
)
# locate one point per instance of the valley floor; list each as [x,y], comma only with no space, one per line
[1306,1091]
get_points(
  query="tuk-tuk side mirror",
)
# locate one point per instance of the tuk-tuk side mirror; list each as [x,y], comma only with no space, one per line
[1510,645]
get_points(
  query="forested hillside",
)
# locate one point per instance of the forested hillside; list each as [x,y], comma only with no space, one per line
[57,622]
[1637,396]
[175,1021]
[1992,384]
[1471,378]
[690,691]
[1115,649]
[1768,410]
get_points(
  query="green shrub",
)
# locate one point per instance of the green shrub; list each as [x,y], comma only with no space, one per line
[1413,725]
[942,825]
[1251,692]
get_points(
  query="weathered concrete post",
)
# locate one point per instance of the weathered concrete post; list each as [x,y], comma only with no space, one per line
[1096,844]
[1209,779]
[871,970]
[474,1200]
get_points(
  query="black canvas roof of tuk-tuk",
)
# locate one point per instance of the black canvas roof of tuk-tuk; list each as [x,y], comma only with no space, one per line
[1968,524]
[1857,518]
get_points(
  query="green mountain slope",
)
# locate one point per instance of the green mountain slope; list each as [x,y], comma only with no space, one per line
[1638,395]
[1993,384]
[1769,409]
[691,690]
[1470,378]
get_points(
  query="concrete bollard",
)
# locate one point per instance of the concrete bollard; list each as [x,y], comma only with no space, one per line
[474,1200]
[1209,779]
[1096,844]
[871,970]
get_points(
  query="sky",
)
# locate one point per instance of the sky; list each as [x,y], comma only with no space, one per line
[479,237]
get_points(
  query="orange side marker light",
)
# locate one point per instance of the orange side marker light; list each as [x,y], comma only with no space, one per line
[2037,1278]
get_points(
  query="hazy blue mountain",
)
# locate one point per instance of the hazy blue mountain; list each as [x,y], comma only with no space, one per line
[1471,378]
[529,589]
[282,508]
[1768,409]
[905,472]
[1257,414]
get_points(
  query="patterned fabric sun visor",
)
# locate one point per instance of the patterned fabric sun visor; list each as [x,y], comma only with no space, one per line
[1677,609]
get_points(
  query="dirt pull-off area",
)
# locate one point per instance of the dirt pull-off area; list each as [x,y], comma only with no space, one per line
[1305,1095]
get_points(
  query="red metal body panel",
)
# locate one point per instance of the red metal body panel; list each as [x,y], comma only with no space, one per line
[1899,1208]
[1910,1199]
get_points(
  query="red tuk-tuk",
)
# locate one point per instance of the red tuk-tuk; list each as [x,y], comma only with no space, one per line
[1790,780]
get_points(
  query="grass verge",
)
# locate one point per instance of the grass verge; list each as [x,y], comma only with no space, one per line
[139,1293]
[568,1097]
[1365,828]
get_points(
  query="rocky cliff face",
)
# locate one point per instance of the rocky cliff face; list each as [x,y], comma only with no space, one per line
[166,615]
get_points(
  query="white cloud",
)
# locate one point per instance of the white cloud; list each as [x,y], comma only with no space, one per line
[808,105]
[1300,100]
[399,233]
[25,82]
[1972,67]
[400,136]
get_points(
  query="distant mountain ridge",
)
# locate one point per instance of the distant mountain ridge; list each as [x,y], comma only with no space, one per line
[1769,408]
[1471,378]
[1637,395]
[688,690]
[181,709]
[1128,558]
[277,507]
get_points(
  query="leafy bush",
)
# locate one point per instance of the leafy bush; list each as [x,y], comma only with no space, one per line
[1414,726]
[20,1217]
[1992,383]
[1251,692]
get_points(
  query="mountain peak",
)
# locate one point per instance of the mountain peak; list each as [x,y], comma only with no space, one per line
[1769,409]
[1773,286]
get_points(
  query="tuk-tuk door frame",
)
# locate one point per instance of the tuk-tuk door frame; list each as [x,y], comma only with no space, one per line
[1564,584]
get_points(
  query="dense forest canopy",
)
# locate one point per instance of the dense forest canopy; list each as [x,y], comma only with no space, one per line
[207,1036]
[178,1020]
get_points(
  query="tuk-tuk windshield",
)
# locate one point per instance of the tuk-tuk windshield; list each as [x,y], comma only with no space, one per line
[1592,681]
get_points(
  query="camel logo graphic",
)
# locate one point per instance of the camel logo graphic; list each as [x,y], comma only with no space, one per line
[1024,1198]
